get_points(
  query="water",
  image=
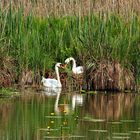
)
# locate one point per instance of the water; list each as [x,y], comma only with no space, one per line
[70,116]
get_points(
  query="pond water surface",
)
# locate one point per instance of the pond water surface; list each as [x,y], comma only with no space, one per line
[70,116]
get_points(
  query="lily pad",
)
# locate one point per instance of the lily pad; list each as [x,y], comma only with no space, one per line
[122,134]
[120,137]
[136,132]
[57,117]
[93,120]
[128,121]
[115,122]
[101,131]
[46,129]
[77,136]
[54,137]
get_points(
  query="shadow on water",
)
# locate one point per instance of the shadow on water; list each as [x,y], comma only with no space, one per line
[66,115]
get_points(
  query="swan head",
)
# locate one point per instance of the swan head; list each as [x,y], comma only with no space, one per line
[68,60]
[60,65]
[63,66]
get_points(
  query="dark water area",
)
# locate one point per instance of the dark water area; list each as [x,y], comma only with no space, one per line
[40,116]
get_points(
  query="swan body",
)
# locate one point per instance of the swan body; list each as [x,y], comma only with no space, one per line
[52,83]
[75,69]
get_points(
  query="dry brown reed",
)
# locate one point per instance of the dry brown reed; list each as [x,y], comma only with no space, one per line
[7,73]
[74,7]
[29,78]
[110,76]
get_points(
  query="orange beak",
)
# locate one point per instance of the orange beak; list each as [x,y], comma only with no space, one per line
[63,66]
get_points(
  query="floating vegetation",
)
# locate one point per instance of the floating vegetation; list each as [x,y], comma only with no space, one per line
[77,136]
[120,137]
[127,121]
[55,137]
[93,120]
[65,128]
[57,117]
[113,122]
[122,134]
[48,129]
[136,132]
[99,130]
[64,137]
[92,92]
[9,92]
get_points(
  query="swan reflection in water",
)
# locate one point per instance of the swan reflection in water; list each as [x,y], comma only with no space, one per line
[77,100]
[52,91]
[64,108]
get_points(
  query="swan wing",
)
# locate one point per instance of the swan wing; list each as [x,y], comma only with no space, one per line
[78,70]
[50,83]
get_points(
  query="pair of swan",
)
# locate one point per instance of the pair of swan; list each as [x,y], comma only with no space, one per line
[54,86]
[56,83]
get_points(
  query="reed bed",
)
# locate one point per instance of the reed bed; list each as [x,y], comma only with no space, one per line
[74,7]
[37,42]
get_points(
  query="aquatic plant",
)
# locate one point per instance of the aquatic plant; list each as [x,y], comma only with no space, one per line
[37,43]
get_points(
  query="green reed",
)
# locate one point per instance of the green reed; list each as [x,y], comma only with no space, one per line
[37,43]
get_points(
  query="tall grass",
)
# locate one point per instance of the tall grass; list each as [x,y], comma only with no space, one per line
[75,7]
[37,42]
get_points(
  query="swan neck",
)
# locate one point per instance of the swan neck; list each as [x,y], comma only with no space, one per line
[57,75]
[74,63]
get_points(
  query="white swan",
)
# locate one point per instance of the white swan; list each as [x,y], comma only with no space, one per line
[75,69]
[52,83]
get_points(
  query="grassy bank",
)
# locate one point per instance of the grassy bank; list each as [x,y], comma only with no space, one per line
[37,43]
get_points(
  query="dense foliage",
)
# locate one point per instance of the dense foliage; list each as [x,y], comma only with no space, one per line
[37,43]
